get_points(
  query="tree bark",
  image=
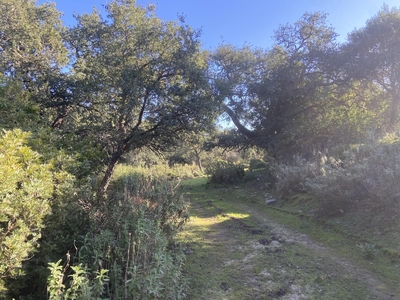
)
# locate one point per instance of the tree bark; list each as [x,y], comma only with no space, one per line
[198,161]
[394,109]
[243,130]
[105,182]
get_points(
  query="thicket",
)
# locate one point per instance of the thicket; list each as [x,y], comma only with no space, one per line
[225,172]
[129,251]
[361,180]
[122,247]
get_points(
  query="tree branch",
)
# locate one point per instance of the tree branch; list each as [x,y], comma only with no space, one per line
[243,130]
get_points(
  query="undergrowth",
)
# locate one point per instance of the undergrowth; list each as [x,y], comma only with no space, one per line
[129,251]
[358,189]
[225,172]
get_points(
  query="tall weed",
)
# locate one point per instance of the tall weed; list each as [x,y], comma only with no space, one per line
[132,237]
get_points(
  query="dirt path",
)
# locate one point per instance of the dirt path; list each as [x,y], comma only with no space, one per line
[377,288]
[240,253]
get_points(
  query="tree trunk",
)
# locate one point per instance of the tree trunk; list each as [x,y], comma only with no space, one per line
[101,192]
[243,130]
[394,109]
[198,161]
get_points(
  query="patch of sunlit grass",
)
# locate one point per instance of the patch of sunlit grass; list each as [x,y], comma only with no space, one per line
[197,226]
[238,216]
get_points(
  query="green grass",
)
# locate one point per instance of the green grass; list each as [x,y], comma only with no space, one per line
[226,259]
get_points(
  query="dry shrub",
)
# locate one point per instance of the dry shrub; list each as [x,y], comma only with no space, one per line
[292,178]
[367,182]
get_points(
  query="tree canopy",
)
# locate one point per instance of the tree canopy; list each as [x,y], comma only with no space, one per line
[132,80]
[374,56]
[308,92]
[140,81]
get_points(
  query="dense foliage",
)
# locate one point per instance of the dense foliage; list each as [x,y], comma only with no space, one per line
[225,172]
[26,190]
[309,93]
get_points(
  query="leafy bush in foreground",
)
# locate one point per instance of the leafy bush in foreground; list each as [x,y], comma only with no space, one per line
[225,172]
[26,189]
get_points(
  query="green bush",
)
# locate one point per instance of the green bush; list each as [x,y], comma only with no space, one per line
[361,188]
[368,181]
[26,190]
[225,172]
[37,208]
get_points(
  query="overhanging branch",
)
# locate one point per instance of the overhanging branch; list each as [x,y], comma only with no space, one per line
[243,130]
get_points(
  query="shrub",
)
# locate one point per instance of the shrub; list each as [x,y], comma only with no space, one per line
[26,189]
[256,164]
[132,237]
[225,172]
[36,208]
[292,178]
[368,180]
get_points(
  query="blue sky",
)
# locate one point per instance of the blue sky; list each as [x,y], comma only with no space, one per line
[245,21]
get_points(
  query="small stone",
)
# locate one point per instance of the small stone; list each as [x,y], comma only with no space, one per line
[270,201]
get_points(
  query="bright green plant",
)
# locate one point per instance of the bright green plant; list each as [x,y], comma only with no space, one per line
[26,190]
[79,285]
[37,207]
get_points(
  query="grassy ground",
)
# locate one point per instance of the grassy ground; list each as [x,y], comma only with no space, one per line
[240,248]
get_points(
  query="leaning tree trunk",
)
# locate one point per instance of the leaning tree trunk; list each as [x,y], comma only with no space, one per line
[394,109]
[105,182]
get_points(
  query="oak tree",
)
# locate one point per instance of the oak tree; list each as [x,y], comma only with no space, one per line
[139,81]
[373,55]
